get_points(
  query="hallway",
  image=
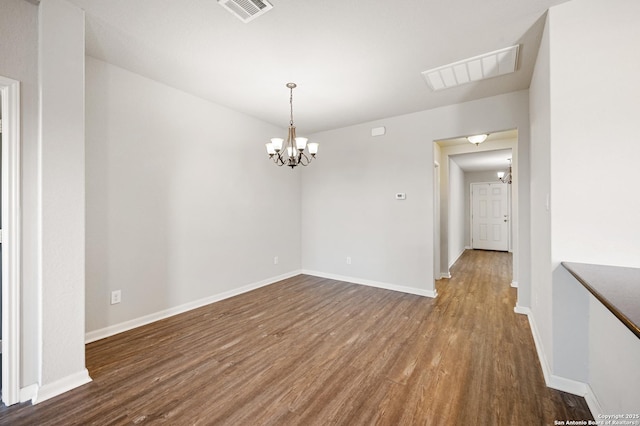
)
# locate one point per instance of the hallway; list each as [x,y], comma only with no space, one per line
[504,381]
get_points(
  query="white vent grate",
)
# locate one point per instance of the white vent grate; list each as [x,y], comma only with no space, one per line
[246,10]
[480,67]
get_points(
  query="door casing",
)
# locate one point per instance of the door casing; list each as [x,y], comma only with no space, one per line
[11,240]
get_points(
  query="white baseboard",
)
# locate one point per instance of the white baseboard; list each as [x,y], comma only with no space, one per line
[61,386]
[514,284]
[456,258]
[27,393]
[546,370]
[521,310]
[447,275]
[111,330]
[555,382]
[567,385]
[394,287]
[593,403]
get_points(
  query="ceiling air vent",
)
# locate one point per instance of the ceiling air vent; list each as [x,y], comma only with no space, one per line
[246,10]
[492,64]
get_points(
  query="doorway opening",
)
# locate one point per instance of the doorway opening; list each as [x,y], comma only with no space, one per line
[461,164]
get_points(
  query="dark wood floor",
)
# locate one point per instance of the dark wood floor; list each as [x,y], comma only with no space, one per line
[308,351]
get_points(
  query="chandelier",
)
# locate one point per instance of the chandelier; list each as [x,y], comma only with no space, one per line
[505,177]
[291,151]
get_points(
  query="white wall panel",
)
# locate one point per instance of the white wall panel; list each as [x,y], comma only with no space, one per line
[583,108]
[348,205]
[182,201]
[19,61]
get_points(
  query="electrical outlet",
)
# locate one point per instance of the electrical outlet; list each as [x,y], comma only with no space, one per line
[275,260]
[116,297]
[348,260]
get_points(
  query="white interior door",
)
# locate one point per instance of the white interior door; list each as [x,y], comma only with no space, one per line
[490,216]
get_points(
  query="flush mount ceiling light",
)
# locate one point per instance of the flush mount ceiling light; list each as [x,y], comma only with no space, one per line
[292,150]
[246,10]
[478,68]
[505,177]
[477,139]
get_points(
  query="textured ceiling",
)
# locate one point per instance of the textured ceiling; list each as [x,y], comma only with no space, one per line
[353,61]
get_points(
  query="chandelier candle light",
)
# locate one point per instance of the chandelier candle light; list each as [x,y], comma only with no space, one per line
[505,178]
[292,150]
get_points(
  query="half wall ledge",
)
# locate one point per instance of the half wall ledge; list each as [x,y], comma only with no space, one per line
[616,287]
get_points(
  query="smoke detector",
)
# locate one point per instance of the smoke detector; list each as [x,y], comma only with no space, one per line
[246,10]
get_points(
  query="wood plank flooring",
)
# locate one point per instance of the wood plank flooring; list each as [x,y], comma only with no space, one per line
[313,351]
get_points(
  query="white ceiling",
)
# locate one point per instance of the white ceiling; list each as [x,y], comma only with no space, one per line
[353,61]
[483,161]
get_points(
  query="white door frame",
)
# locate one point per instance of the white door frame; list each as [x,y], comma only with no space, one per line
[437,274]
[11,240]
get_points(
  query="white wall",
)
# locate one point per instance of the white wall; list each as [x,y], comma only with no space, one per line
[43,48]
[540,100]
[61,64]
[593,218]
[614,352]
[583,108]
[182,201]
[457,217]
[599,110]
[348,205]
[437,155]
[19,61]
